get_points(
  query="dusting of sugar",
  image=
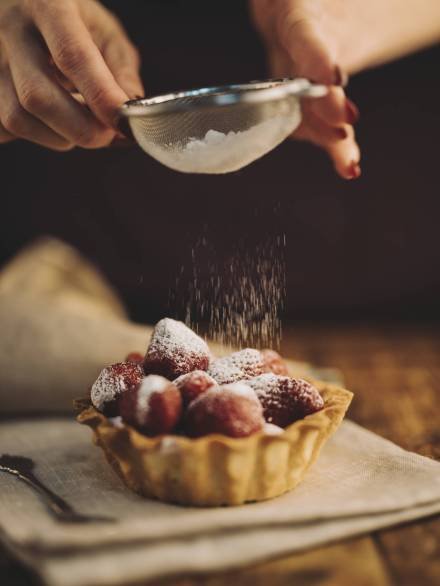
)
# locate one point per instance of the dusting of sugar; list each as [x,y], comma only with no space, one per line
[272,429]
[270,389]
[241,389]
[151,384]
[169,445]
[116,421]
[183,378]
[174,341]
[267,383]
[234,405]
[224,372]
[112,381]
[240,365]
[281,395]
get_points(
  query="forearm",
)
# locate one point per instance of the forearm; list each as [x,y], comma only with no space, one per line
[390,29]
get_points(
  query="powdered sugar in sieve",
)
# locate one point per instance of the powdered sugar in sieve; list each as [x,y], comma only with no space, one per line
[218,152]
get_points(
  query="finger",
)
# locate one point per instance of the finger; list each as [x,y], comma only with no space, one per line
[123,61]
[78,58]
[332,108]
[41,95]
[346,158]
[5,136]
[311,56]
[343,151]
[119,53]
[319,131]
[19,123]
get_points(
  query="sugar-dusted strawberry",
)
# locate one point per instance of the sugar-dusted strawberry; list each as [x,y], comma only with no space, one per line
[285,399]
[231,410]
[154,406]
[193,384]
[238,366]
[175,350]
[112,382]
[274,362]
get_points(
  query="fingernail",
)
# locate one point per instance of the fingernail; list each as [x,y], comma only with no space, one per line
[340,77]
[353,171]
[121,142]
[341,133]
[351,111]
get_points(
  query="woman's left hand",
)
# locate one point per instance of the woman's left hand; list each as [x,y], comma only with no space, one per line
[298,47]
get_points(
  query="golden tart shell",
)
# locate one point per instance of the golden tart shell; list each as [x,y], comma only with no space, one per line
[218,470]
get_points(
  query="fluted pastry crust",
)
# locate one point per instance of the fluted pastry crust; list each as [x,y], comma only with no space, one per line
[215,469]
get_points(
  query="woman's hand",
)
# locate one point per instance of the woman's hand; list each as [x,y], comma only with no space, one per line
[65,68]
[301,37]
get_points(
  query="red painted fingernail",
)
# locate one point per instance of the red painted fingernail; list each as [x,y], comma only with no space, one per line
[340,77]
[341,133]
[354,170]
[351,111]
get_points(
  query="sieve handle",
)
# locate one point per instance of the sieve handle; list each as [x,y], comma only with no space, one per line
[303,88]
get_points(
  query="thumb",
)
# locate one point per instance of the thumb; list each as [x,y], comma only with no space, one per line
[311,56]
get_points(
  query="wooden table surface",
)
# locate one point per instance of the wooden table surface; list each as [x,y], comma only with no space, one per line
[394,371]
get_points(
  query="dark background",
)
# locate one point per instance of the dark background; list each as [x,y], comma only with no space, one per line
[367,248]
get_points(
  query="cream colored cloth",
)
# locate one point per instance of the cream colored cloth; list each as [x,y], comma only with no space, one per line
[361,482]
[60,324]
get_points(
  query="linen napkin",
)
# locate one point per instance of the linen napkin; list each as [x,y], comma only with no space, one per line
[61,315]
[360,482]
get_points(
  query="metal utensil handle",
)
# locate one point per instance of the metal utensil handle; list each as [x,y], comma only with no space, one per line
[60,508]
[57,505]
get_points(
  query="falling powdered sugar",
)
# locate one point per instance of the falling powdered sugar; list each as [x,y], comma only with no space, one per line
[237,297]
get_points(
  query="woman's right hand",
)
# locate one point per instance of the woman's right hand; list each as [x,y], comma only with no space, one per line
[65,68]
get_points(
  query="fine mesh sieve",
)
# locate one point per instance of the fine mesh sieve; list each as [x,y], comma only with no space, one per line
[218,129]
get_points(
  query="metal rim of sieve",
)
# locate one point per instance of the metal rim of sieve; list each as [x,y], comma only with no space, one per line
[218,96]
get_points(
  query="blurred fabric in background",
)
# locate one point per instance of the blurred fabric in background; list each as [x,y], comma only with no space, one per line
[368,248]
